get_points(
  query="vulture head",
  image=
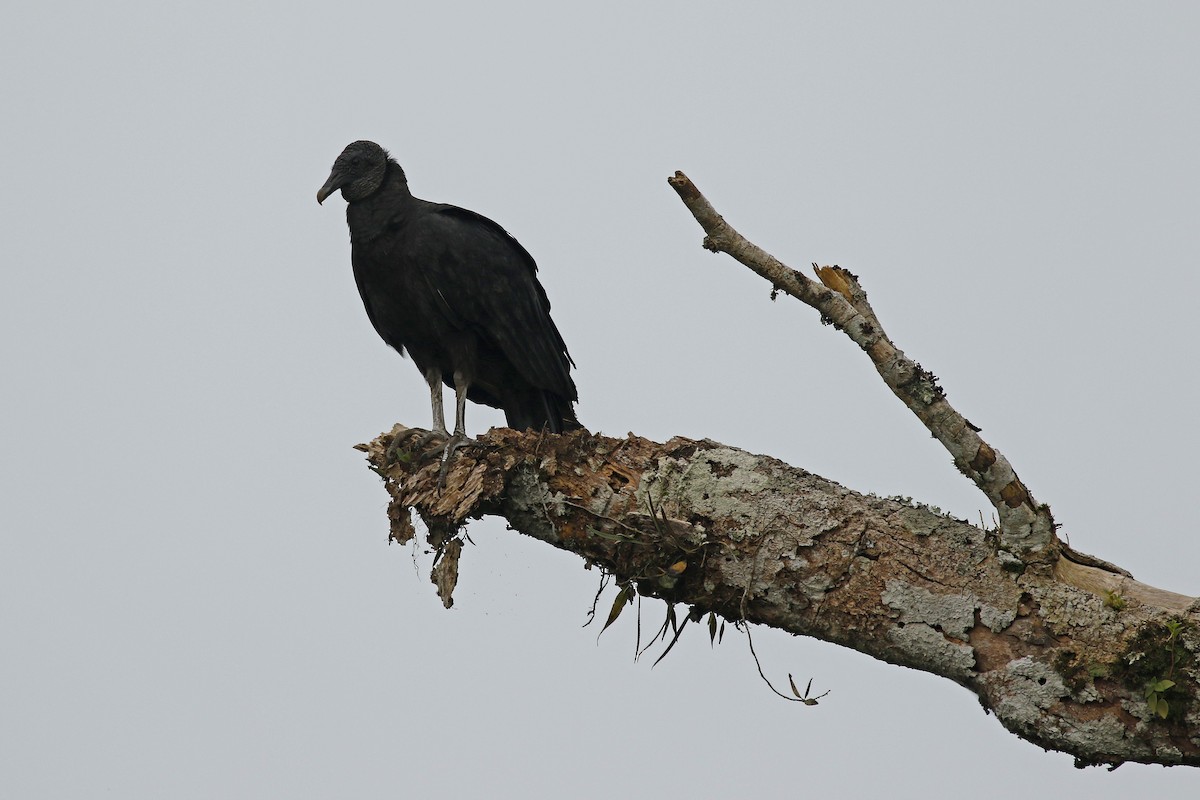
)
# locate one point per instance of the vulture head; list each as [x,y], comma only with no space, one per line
[358,172]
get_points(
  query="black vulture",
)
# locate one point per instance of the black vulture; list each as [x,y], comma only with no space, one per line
[458,293]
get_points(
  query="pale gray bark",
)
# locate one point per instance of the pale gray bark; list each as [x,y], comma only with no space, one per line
[751,538]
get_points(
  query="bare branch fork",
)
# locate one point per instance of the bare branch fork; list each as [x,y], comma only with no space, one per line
[1066,650]
[1026,528]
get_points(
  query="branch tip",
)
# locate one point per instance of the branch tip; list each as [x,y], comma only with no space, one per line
[683,185]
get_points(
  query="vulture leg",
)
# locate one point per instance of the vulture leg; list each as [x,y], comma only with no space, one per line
[434,377]
[414,440]
[461,384]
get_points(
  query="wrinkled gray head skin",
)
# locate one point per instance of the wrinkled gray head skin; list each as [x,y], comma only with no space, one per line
[358,172]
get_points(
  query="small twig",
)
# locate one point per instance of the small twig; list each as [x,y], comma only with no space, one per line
[591,615]
[808,701]
[637,644]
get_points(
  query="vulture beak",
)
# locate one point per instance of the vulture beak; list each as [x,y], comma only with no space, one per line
[332,185]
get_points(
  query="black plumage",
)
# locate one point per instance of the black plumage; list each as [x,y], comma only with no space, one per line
[457,292]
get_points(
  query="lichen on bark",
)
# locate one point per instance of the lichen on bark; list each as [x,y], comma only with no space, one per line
[753,540]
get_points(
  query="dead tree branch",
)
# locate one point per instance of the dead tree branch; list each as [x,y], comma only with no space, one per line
[1027,529]
[751,538]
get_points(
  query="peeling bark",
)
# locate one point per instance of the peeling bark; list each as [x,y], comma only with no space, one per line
[1060,660]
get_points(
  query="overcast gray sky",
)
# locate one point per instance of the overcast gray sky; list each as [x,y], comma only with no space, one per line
[197,598]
